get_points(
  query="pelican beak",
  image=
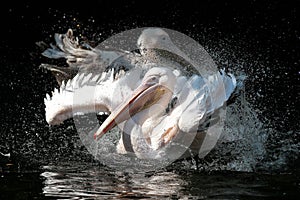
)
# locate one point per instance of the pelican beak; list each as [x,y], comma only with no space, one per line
[143,97]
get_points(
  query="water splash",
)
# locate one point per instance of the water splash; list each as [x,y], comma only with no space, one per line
[249,142]
[246,144]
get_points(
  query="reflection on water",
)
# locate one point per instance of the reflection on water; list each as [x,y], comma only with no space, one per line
[85,180]
[90,181]
[96,181]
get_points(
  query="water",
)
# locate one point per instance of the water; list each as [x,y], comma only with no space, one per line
[84,180]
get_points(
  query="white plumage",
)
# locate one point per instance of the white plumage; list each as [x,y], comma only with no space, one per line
[155,106]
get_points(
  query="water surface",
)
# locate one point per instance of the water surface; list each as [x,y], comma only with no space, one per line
[85,180]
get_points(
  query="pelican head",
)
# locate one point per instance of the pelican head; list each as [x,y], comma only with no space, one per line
[152,37]
[156,88]
[155,38]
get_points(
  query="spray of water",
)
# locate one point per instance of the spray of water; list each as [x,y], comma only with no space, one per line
[247,142]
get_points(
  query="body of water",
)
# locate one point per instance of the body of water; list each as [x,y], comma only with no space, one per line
[84,180]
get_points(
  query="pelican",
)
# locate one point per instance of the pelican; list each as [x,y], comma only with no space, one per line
[157,106]
[150,125]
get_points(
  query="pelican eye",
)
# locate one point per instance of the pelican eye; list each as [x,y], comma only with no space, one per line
[152,80]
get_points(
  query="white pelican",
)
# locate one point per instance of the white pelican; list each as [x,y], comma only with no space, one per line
[150,125]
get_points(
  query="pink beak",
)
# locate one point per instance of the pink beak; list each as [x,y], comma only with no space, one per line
[143,97]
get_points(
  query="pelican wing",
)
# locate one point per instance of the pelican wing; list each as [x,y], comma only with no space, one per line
[79,57]
[192,106]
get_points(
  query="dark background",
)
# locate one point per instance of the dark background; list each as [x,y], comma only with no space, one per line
[260,36]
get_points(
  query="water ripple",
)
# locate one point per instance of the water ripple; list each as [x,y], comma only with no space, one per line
[90,181]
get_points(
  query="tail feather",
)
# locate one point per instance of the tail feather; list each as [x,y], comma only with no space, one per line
[240,87]
[234,85]
[229,82]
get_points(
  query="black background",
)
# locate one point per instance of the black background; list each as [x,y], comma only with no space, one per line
[263,33]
